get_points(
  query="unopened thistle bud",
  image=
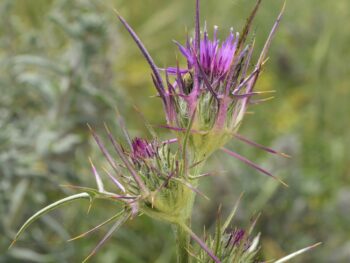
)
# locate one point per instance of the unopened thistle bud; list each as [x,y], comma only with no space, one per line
[141,149]
[150,175]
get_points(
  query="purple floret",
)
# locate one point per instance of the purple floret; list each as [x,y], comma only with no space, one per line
[141,149]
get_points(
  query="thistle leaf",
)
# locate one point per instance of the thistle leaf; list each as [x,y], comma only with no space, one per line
[98,226]
[48,209]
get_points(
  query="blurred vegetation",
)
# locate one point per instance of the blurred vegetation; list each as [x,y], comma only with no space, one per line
[67,63]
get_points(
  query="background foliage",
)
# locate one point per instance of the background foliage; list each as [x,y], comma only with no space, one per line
[65,63]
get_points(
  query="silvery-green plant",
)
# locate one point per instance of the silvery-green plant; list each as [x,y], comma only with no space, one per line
[204,105]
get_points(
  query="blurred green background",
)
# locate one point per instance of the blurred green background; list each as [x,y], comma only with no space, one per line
[66,63]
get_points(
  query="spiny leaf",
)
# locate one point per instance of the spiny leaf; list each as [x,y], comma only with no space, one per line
[48,209]
[116,225]
[243,139]
[253,165]
[248,25]
[98,226]
[114,180]
[100,195]
[158,79]
[98,179]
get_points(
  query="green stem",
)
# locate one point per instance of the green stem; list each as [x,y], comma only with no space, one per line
[182,244]
[182,235]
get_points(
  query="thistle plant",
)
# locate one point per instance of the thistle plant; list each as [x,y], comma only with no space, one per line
[204,105]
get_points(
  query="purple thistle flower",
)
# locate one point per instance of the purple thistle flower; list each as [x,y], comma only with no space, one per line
[215,59]
[208,99]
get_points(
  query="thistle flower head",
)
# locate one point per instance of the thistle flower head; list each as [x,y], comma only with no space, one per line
[150,178]
[216,87]
[206,101]
[232,244]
